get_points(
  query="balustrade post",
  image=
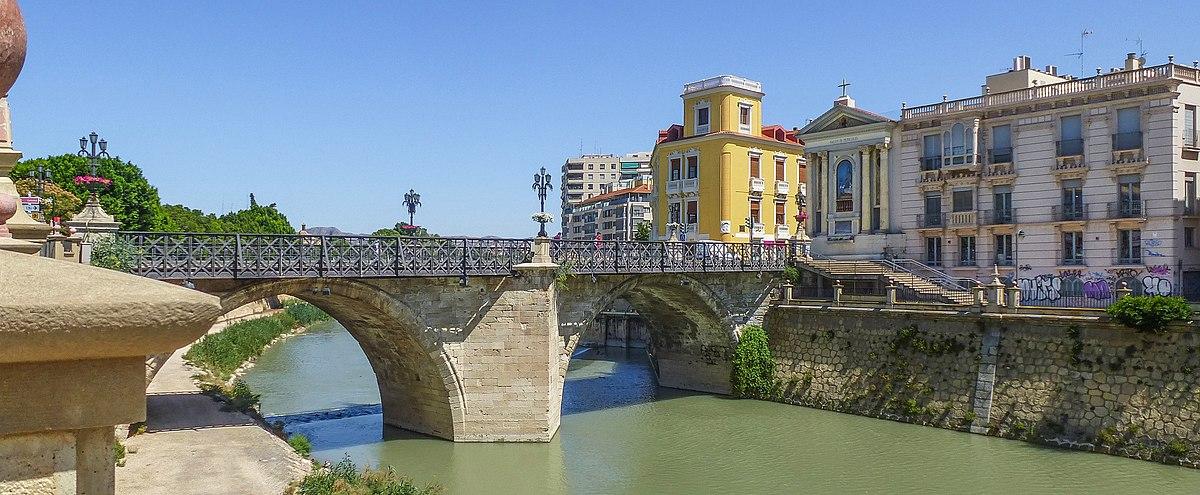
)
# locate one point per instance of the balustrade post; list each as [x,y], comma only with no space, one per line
[464,259]
[662,259]
[890,294]
[1013,298]
[837,292]
[323,258]
[617,256]
[237,254]
[396,258]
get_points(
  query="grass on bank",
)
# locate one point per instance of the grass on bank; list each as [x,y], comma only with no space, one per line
[344,478]
[222,353]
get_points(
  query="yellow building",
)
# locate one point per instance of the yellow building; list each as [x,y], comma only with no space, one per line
[722,167]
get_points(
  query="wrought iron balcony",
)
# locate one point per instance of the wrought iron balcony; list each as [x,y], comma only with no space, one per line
[1000,155]
[1127,209]
[1069,147]
[999,217]
[1069,213]
[1127,141]
[926,220]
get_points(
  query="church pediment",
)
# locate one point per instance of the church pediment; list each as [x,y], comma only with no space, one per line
[842,117]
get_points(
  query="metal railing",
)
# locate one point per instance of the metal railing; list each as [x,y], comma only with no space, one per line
[931,162]
[998,217]
[930,220]
[1000,155]
[181,256]
[1127,209]
[1132,256]
[1068,213]
[1069,147]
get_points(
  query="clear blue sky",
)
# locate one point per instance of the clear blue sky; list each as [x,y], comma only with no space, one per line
[334,109]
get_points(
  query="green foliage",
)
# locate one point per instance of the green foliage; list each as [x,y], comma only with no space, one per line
[179,218]
[300,444]
[256,219]
[791,274]
[240,397]
[753,370]
[1178,448]
[56,201]
[1107,436]
[643,232]
[221,353]
[403,229]
[969,417]
[114,253]
[563,274]
[344,478]
[131,199]
[1149,313]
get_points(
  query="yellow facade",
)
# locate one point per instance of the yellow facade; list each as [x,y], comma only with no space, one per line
[703,176]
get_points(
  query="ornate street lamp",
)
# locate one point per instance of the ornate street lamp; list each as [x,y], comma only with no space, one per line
[39,178]
[98,149]
[541,184]
[412,200]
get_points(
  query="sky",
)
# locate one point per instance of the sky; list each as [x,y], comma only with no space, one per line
[333,110]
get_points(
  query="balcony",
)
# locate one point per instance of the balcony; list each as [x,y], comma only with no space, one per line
[931,163]
[930,220]
[1127,209]
[930,177]
[683,186]
[968,162]
[1069,213]
[782,232]
[1124,141]
[958,219]
[1000,173]
[1000,155]
[999,217]
[757,185]
[782,188]
[1127,151]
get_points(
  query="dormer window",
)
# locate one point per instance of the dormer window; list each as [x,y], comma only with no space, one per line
[702,118]
[744,110]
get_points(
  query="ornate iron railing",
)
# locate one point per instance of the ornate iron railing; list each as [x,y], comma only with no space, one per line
[182,256]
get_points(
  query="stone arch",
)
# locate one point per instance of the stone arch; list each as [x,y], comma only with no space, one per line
[418,384]
[693,329]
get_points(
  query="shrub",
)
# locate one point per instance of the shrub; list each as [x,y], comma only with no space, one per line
[791,274]
[1149,313]
[119,453]
[223,352]
[1178,448]
[114,253]
[753,367]
[345,478]
[300,444]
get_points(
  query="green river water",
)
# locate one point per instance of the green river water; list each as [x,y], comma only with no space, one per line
[622,434]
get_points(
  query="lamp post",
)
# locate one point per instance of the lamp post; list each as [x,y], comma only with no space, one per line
[412,200]
[39,178]
[1017,254]
[93,156]
[541,184]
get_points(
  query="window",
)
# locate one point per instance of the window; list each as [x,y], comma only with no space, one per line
[1004,249]
[1129,251]
[843,227]
[691,213]
[755,213]
[755,168]
[1189,193]
[1002,144]
[1189,126]
[963,200]
[1129,195]
[931,159]
[966,250]
[780,214]
[590,186]
[676,170]
[845,186]
[1070,136]
[1072,253]
[816,222]
[591,166]
[1002,204]
[957,143]
[1072,200]
[1129,129]
[702,120]
[744,117]
[933,210]
[1189,237]
[693,167]
[673,213]
[933,251]
[780,169]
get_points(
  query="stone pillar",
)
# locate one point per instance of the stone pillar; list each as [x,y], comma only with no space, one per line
[890,294]
[837,292]
[979,299]
[1013,297]
[884,210]
[995,292]
[1123,290]
[864,188]
[21,225]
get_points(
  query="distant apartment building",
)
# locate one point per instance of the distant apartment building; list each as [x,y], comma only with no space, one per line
[587,176]
[1071,185]
[614,215]
[722,174]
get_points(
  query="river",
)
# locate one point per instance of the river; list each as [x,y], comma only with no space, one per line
[621,433]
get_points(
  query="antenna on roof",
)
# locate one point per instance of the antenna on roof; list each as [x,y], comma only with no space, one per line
[1082,36]
[1141,49]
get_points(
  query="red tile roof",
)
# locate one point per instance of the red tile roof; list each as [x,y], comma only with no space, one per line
[644,188]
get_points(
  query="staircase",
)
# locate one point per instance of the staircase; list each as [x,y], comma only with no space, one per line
[915,280]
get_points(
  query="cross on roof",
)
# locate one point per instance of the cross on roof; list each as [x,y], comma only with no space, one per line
[843,86]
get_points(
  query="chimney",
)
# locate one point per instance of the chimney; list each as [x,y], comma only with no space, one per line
[1021,62]
[1132,61]
[1052,70]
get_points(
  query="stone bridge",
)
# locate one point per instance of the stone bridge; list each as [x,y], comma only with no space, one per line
[470,338]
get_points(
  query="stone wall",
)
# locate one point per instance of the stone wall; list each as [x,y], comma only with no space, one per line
[1079,382]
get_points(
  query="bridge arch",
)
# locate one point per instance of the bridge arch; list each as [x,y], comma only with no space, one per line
[419,387]
[693,323]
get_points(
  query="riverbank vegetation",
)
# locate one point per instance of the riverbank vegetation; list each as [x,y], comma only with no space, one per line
[1149,313]
[753,367]
[344,478]
[221,354]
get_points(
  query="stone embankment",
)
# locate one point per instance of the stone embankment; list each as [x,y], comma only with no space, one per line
[194,445]
[1076,382]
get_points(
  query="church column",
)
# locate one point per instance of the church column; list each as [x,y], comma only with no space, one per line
[828,195]
[864,196]
[884,213]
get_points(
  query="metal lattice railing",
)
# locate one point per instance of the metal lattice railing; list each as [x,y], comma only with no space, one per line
[181,256]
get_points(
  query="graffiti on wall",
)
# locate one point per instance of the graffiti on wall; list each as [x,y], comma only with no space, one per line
[1096,285]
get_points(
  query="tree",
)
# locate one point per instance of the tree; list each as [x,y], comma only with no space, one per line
[179,218]
[256,219]
[56,201]
[643,232]
[114,253]
[403,229]
[131,199]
